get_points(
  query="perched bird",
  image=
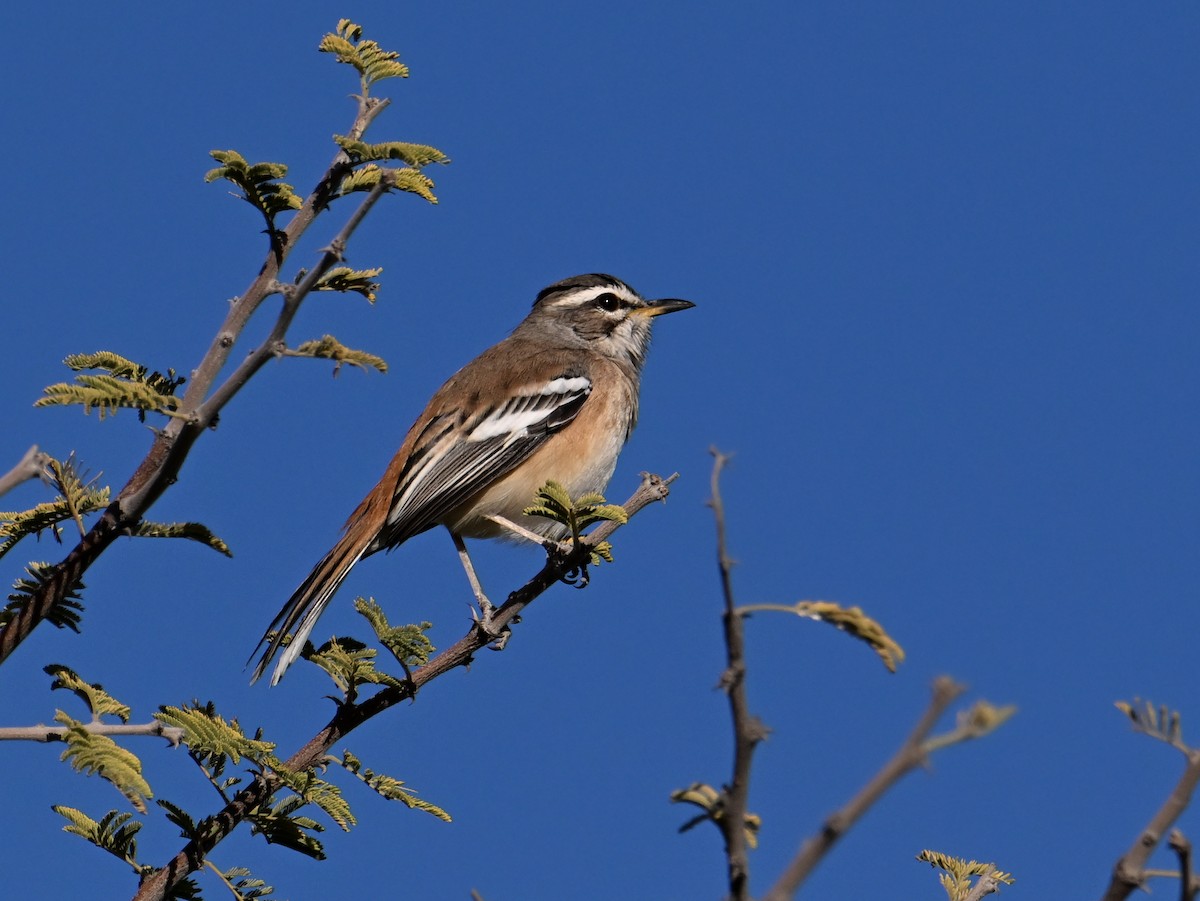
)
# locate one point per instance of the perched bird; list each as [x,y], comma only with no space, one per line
[557,400]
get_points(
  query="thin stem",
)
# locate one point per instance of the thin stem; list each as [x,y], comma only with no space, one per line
[748,730]
[172,734]
[30,466]
[1130,871]
[912,754]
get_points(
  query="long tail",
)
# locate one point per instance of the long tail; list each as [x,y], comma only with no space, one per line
[306,605]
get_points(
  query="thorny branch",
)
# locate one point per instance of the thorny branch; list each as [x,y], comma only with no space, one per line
[172,734]
[912,754]
[748,730]
[198,409]
[1130,871]
[350,716]
[28,467]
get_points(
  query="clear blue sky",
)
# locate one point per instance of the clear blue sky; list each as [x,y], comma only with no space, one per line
[944,261]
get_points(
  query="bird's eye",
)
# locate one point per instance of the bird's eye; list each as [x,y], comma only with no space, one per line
[609,303]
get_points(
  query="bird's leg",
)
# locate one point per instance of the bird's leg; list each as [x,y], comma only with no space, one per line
[484,616]
[559,552]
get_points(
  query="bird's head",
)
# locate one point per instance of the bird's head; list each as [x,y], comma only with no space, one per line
[603,313]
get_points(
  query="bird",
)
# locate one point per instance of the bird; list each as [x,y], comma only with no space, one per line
[556,400]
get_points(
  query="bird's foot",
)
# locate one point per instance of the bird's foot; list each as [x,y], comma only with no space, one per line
[569,572]
[484,617]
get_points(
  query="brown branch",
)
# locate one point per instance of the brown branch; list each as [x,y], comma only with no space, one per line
[748,730]
[172,734]
[1188,887]
[1130,871]
[350,716]
[161,466]
[983,887]
[28,467]
[912,754]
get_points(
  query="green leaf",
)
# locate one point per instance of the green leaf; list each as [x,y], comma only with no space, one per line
[106,394]
[391,788]
[113,833]
[209,735]
[278,825]
[63,614]
[399,179]
[89,752]
[181,818]
[413,154]
[409,644]
[350,664]
[329,348]
[346,280]
[957,873]
[372,62]
[75,500]
[553,502]
[243,885]
[192,530]
[258,184]
[99,702]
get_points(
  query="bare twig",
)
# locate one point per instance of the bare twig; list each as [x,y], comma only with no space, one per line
[748,730]
[1188,887]
[983,887]
[350,716]
[1130,871]
[29,467]
[912,754]
[172,734]
[198,410]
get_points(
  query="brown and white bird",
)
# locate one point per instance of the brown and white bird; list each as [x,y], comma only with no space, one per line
[557,400]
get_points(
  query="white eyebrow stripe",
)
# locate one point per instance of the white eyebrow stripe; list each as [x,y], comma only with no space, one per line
[580,296]
[523,411]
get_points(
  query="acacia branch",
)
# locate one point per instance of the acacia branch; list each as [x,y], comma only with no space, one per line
[912,754]
[1130,870]
[28,467]
[161,466]
[748,730]
[173,734]
[350,716]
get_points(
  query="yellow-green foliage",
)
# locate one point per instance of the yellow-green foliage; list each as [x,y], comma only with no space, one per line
[345,279]
[64,614]
[113,832]
[258,183]
[553,502]
[191,530]
[410,180]
[851,620]
[390,788]
[127,384]
[712,802]
[99,702]
[409,644]
[208,734]
[958,873]
[89,752]
[414,154]
[351,664]
[372,62]
[329,348]
[75,500]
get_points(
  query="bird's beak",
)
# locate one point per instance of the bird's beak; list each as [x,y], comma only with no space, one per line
[667,305]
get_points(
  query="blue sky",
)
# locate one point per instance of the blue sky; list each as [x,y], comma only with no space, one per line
[944,262]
